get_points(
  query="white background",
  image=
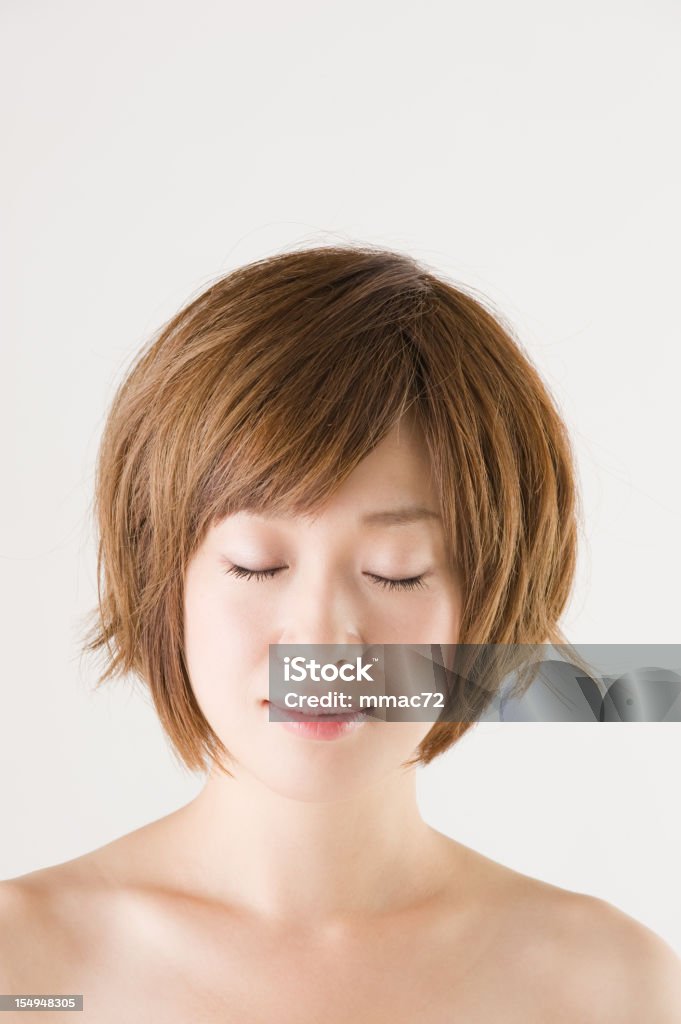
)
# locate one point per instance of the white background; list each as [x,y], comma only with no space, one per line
[529,150]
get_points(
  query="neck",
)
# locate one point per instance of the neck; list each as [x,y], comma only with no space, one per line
[240,843]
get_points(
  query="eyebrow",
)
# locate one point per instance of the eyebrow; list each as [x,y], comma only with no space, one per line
[381,517]
[399,516]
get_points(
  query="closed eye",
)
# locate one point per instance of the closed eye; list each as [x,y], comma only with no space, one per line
[410,583]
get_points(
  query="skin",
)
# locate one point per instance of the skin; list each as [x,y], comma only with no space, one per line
[307,886]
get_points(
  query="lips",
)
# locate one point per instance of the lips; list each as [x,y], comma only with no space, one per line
[323,716]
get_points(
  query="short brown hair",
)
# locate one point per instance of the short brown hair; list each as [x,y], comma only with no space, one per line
[266,391]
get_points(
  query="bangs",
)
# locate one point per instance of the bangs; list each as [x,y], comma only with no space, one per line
[290,426]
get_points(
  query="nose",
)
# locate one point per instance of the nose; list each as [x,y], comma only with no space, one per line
[324,615]
[320,610]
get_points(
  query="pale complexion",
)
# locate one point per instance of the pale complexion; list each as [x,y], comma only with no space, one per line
[307,887]
[307,829]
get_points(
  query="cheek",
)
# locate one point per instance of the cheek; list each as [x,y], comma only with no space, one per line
[431,621]
[216,639]
[447,617]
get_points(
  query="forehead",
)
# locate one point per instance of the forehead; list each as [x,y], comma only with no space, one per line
[397,469]
[392,486]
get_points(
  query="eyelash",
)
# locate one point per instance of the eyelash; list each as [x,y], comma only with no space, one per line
[412,583]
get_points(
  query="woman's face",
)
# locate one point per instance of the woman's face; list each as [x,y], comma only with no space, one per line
[327,590]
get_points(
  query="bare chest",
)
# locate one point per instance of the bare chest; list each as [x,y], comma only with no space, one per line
[147,968]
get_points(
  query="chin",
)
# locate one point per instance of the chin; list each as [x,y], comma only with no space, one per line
[311,772]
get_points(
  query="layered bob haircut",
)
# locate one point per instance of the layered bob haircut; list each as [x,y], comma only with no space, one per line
[265,392]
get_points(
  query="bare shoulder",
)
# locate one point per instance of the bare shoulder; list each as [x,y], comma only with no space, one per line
[28,931]
[571,957]
[590,961]
[14,911]
[48,921]
[88,911]
[626,971]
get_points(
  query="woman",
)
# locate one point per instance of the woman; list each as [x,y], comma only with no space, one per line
[329,446]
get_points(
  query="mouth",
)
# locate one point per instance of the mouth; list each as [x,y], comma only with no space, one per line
[289,715]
